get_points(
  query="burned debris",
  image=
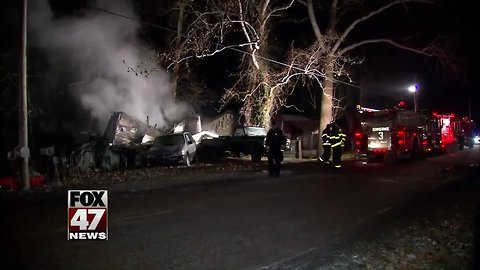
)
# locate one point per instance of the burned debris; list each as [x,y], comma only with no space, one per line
[126,141]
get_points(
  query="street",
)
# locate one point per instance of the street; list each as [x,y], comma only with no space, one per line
[291,222]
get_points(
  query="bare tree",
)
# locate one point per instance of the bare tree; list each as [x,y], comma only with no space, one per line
[262,82]
[332,54]
[195,30]
[199,32]
[205,28]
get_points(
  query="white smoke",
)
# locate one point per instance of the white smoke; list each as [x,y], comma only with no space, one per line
[96,50]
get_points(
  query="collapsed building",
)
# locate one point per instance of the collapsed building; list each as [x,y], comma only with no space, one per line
[122,145]
[127,139]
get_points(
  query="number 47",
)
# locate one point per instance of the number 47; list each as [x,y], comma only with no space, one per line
[80,218]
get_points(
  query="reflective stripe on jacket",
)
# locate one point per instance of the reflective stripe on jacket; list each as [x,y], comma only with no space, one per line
[325,139]
[343,136]
[338,139]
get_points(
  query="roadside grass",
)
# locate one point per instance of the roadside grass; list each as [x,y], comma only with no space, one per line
[157,173]
[200,169]
[439,236]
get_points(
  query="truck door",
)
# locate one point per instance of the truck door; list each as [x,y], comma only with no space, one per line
[191,147]
[378,128]
[379,138]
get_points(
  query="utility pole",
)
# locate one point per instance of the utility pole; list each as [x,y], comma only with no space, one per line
[22,99]
[415,104]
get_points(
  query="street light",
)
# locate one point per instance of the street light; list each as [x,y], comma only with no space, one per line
[414,89]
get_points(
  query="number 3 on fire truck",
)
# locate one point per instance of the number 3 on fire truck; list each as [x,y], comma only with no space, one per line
[380,135]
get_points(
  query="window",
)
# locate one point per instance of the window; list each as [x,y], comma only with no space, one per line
[256,131]
[188,138]
[169,140]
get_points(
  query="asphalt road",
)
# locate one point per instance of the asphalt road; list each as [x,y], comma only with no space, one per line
[291,222]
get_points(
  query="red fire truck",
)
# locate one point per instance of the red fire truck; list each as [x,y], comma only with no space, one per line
[442,130]
[390,134]
[450,128]
[464,127]
[394,133]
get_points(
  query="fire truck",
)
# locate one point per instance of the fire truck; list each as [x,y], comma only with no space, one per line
[450,128]
[465,128]
[391,134]
[395,133]
[443,130]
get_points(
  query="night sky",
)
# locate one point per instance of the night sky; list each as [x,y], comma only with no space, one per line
[382,78]
[387,71]
[392,70]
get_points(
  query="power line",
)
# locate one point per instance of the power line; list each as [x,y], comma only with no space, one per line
[216,43]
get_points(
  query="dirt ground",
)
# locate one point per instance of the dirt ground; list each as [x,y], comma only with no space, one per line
[438,235]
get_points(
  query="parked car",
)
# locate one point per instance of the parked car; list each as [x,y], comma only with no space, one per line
[476,139]
[173,149]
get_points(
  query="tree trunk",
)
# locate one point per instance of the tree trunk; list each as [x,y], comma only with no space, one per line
[260,105]
[326,103]
[178,44]
[175,78]
[269,106]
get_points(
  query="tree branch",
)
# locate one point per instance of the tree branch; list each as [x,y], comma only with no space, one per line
[302,2]
[266,17]
[264,8]
[252,48]
[333,16]
[424,51]
[284,7]
[316,28]
[368,16]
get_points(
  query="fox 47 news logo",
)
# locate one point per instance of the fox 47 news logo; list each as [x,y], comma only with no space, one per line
[87,215]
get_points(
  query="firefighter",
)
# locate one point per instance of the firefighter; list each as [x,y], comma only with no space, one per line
[327,151]
[337,141]
[274,141]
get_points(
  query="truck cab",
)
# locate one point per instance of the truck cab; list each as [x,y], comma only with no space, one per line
[390,134]
[249,141]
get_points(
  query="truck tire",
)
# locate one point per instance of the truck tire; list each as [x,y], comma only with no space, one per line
[471,144]
[416,153]
[186,160]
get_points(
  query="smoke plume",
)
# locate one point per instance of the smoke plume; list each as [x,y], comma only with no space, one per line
[94,52]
